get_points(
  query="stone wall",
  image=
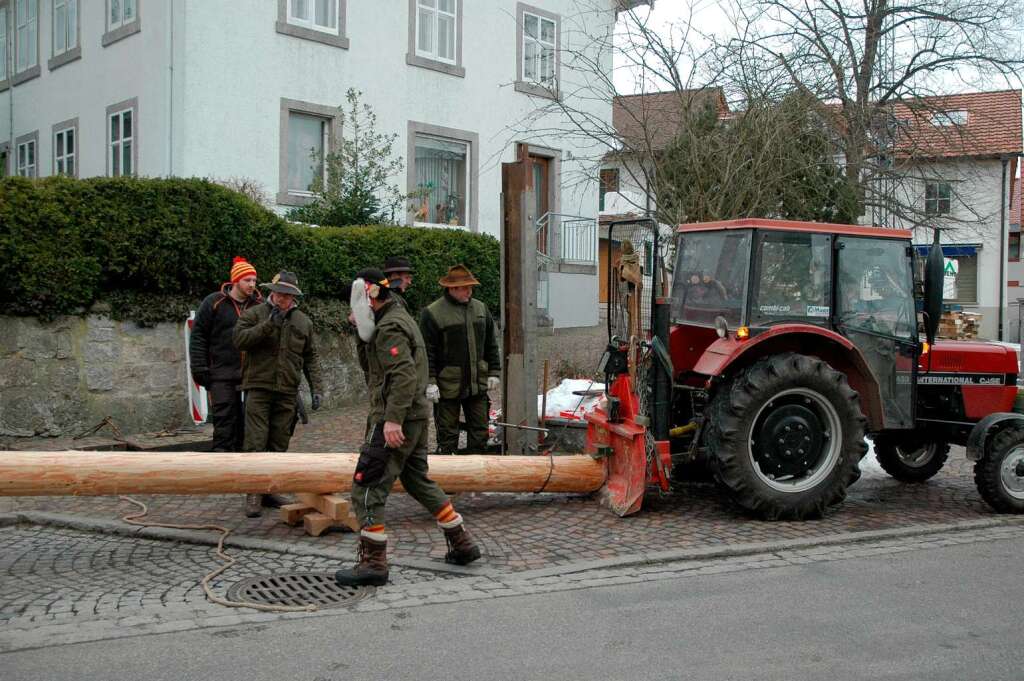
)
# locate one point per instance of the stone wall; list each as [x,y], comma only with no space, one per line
[62,378]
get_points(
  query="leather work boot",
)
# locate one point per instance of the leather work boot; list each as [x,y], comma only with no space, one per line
[372,567]
[462,550]
[274,500]
[253,507]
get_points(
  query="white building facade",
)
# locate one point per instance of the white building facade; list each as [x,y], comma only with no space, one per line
[247,88]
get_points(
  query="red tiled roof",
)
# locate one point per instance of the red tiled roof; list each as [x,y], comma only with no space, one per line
[655,118]
[993,126]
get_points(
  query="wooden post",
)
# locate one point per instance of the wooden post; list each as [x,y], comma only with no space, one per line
[519,307]
[111,473]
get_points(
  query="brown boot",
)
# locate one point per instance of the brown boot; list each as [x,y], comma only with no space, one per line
[462,550]
[253,507]
[372,568]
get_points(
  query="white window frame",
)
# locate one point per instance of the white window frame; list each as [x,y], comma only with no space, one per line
[437,13]
[118,111]
[27,169]
[553,84]
[4,43]
[311,23]
[468,180]
[121,21]
[70,25]
[62,130]
[31,26]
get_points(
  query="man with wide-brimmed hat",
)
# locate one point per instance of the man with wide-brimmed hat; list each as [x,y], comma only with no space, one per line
[462,350]
[278,342]
[396,446]
[215,362]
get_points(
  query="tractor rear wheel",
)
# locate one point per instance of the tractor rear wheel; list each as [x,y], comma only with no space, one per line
[910,457]
[786,436]
[999,475]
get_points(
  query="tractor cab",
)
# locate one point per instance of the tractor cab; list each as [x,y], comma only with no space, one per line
[743,288]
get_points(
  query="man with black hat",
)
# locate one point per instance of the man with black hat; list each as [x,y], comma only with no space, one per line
[462,349]
[399,272]
[396,448]
[277,339]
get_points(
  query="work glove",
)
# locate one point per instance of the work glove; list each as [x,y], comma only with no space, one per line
[316,402]
[276,316]
[493,382]
[202,377]
[433,393]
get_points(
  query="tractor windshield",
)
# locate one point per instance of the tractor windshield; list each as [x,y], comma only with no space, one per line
[710,277]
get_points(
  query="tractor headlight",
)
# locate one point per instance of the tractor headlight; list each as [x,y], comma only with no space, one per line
[721,326]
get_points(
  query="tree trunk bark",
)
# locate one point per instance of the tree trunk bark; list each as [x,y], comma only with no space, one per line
[110,473]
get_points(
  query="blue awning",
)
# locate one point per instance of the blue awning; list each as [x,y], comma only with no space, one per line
[950,250]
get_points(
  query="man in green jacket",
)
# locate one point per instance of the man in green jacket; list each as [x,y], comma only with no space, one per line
[462,350]
[277,342]
[396,448]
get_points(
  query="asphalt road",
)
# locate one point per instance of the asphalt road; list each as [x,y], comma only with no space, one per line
[945,613]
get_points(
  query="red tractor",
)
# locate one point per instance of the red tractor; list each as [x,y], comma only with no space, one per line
[782,346]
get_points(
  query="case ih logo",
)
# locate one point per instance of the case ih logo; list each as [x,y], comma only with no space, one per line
[961,379]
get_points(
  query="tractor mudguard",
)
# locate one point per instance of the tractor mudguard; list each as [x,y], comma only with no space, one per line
[977,441]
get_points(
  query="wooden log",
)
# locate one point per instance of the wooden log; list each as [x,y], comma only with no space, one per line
[111,473]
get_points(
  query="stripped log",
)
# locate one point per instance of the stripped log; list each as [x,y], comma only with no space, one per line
[111,473]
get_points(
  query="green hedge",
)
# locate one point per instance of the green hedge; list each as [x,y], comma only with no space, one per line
[151,248]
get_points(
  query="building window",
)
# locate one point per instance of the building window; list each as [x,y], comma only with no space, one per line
[944,119]
[122,20]
[537,48]
[122,139]
[65,148]
[1013,253]
[937,198]
[435,29]
[122,12]
[3,44]
[26,155]
[318,15]
[609,183]
[309,133]
[307,142]
[435,35]
[3,159]
[26,34]
[322,21]
[65,25]
[442,181]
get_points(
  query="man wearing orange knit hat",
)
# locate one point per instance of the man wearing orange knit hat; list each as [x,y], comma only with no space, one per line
[215,362]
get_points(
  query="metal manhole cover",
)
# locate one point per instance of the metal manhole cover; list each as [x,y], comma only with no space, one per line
[297,588]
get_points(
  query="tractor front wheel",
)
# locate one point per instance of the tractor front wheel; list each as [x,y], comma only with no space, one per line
[999,475]
[910,457]
[786,436]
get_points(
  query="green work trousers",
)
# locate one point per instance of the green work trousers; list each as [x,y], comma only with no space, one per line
[408,463]
[268,420]
[446,420]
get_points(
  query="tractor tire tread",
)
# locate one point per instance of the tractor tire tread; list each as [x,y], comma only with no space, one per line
[986,471]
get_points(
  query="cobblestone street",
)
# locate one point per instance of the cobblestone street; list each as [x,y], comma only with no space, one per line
[71,570]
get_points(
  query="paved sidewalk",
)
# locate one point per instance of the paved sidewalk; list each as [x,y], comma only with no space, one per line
[527,532]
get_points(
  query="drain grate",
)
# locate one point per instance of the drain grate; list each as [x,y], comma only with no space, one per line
[297,588]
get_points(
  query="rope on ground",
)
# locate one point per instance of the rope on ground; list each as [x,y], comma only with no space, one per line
[133,519]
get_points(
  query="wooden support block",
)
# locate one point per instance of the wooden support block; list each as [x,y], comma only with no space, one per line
[292,514]
[315,523]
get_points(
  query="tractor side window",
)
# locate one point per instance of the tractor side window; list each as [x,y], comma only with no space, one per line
[875,287]
[710,277]
[792,279]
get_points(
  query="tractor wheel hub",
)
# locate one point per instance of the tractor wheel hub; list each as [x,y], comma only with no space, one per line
[790,440]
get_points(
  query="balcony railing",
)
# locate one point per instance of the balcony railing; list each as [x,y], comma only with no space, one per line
[577,238]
